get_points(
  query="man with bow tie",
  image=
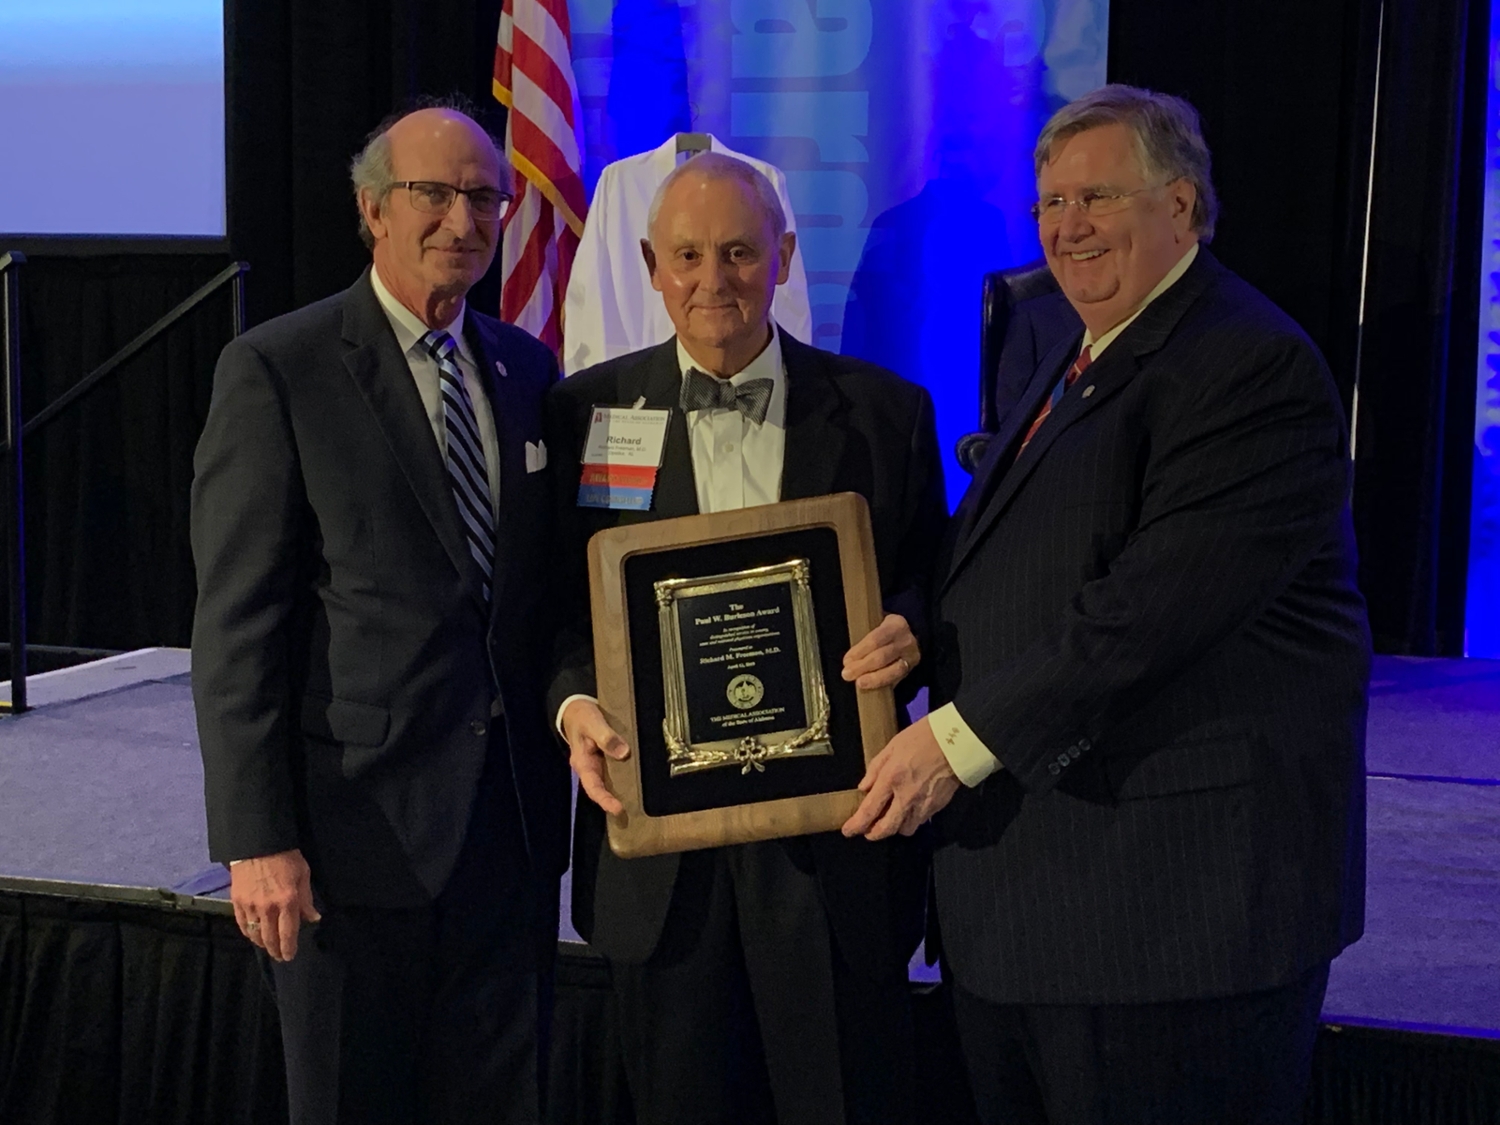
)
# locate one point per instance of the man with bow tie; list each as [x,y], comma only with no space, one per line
[761,982]
[371,524]
[1150,674]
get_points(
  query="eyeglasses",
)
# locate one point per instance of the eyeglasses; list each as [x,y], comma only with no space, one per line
[486,203]
[1049,212]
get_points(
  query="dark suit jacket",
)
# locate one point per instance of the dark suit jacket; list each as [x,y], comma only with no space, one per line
[1151,619]
[344,664]
[850,427]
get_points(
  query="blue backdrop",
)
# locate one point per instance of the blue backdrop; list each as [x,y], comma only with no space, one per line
[905,128]
[1483,609]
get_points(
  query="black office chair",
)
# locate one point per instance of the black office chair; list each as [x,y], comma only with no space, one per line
[1024,317]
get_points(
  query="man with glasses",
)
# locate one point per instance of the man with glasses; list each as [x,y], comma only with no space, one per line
[1150,674]
[370,523]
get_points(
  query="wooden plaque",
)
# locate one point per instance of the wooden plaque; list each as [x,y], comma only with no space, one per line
[718,642]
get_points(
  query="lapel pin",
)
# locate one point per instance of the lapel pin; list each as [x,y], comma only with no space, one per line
[1088,390]
[500,367]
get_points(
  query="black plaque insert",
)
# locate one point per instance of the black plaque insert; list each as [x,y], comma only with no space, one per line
[663,794]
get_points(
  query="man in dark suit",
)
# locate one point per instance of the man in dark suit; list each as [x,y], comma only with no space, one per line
[761,982]
[1150,674]
[370,523]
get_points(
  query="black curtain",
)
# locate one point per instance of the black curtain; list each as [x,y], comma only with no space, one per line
[307,81]
[108,564]
[115,1013]
[111,1012]
[1415,422]
[1287,89]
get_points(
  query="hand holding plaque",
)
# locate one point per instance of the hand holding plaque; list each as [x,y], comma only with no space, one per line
[719,645]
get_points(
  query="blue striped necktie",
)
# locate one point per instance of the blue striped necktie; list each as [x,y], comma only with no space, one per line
[466,470]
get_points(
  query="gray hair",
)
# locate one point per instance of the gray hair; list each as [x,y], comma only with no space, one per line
[373,171]
[1168,140]
[717,166]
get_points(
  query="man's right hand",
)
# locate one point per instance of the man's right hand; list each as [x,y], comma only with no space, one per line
[590,738]
[272,896]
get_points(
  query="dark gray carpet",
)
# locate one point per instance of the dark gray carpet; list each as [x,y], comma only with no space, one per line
[1431,950]
[1435,718]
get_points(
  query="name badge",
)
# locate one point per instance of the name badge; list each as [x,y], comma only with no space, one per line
[621,456]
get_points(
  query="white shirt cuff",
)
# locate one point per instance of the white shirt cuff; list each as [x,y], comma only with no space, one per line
[557,722]
[971,760]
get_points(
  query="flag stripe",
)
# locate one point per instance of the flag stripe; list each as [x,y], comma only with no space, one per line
[542,51]
[533,75]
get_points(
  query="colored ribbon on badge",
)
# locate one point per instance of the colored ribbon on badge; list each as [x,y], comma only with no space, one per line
[621,457]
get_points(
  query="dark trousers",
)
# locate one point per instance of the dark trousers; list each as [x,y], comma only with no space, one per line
[1237,1060]
[428,1016]
[746,1013]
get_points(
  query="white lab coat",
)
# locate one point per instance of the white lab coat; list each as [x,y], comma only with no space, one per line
[610,309]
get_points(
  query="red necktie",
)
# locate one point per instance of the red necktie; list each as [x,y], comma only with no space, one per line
[1080,365]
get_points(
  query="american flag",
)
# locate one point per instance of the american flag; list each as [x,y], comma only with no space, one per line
[534,79]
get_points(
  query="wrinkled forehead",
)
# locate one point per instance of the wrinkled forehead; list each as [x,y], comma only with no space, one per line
[711,211]
[436,145]
[1105,156]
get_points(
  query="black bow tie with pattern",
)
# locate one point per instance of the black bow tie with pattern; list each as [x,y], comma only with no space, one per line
[751,398]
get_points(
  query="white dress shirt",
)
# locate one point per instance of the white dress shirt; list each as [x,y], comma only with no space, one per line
[971,759]
[736,462]
[424,369]
[610,309]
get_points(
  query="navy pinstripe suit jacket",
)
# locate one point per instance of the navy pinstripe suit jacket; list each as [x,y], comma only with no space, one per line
[1151,619]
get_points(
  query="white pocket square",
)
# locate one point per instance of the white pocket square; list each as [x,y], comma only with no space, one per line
[536,456]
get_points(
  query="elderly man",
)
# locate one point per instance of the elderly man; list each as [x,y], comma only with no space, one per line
[370,526]
[762,982]
[1150,674]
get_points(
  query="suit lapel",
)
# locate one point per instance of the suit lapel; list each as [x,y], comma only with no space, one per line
[814,445]
[1002,448]
[384,379]
[1098,385]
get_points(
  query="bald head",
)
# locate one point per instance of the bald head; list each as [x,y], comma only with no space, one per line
[718,249]
[373,170]
[426,186]
[714,167]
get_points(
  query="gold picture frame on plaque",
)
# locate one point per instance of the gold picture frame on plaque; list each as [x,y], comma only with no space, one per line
[745,693]
[717,641]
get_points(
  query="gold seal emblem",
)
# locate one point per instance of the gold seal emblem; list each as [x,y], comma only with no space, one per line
[745,692]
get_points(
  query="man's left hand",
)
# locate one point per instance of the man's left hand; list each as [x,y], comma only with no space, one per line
[884,656]
[905,785]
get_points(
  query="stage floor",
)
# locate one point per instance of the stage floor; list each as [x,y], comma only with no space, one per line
[101,784]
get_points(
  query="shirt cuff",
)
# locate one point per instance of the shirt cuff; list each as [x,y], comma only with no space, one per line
[971,760]
[557,722]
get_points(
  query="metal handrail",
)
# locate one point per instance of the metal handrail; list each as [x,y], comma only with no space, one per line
[231,275]
[15,431]
[10,358]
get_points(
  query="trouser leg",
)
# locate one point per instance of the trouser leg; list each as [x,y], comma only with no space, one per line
[999,1060]
[352,1007]
[689,1036]
[783,928]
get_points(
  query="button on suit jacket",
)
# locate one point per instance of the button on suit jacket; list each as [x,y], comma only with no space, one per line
[1151,619]
[345,660]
